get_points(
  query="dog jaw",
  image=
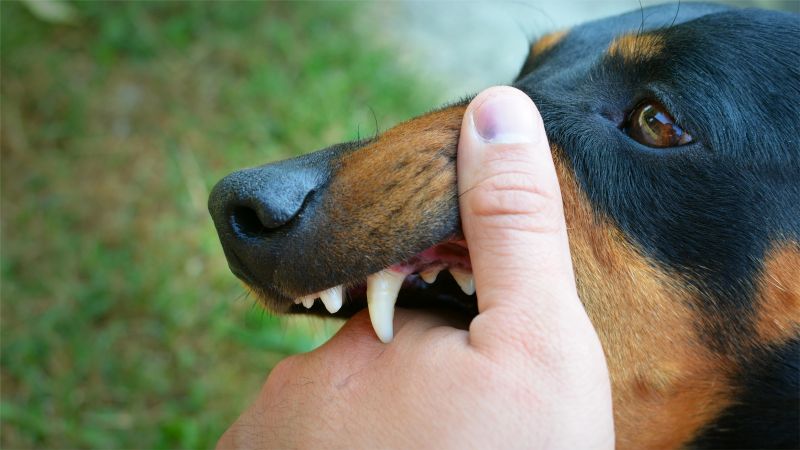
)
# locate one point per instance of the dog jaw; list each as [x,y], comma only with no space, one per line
[382,288]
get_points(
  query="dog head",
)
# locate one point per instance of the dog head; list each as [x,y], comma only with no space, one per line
[676,146]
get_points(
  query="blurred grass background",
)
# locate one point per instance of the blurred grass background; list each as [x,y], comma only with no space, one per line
[121,324]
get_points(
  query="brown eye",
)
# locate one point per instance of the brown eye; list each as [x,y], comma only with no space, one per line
[650,124]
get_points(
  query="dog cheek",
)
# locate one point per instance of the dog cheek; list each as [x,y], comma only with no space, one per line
[397,195]
[636,306]
[777,317]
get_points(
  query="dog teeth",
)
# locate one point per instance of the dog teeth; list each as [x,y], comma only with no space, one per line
[332,298]
[382,290]
[308,300]
[430,275]
[465,280]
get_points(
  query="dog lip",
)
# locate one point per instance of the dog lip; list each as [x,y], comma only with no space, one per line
[449,254]
[237,268]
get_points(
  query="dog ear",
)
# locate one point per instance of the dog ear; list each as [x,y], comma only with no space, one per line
[538,48]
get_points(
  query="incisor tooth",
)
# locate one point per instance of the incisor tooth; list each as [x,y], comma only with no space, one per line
[308,300]
[465,281]
[332,298]
[430,275]
[382,290]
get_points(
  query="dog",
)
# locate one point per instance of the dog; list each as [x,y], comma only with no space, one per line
[677,150]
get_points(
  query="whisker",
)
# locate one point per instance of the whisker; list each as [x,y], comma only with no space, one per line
[677,10]
[375,119]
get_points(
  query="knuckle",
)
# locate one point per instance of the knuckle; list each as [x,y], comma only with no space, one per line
[526,337]
[516,199]
[287,364]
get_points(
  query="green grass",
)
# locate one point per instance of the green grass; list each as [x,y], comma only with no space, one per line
[121,325]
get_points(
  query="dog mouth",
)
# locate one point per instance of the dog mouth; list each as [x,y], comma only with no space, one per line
[439,277]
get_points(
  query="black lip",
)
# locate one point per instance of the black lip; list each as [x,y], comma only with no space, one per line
[238,268]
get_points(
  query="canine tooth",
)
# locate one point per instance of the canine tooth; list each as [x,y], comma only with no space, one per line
[332,298]
[308,300]
[430,275]
[465,281]
[297,301]
[382,290]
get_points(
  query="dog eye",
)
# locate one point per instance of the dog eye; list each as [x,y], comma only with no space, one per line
[652,125]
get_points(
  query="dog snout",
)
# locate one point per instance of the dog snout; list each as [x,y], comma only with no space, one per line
[255,210]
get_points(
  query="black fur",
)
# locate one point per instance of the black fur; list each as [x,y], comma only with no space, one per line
[767,413]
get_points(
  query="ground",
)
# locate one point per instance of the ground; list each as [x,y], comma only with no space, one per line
[121,324]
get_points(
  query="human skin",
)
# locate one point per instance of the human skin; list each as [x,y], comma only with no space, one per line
[527,372]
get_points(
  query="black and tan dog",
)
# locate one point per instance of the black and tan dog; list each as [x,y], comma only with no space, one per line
[676,144]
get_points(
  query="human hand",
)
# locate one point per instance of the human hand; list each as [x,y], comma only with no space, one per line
[529,372]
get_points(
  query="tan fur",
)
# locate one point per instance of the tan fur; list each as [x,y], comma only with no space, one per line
[633,48]
[778,303]
[408,174]
[546,42]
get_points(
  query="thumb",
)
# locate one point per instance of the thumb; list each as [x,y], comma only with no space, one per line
[512,217]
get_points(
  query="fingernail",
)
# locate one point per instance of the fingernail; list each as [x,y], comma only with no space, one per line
[505,118]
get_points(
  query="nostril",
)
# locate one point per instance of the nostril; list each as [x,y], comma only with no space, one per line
[256,203]
[245,222]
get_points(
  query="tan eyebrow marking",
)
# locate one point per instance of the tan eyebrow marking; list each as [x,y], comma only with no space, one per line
[547,42]
[634,47]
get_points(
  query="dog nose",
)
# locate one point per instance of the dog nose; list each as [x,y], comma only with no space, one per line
[255,202]
[252,203]
[253,210]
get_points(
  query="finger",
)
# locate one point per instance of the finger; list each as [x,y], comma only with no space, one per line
[356,345]
[227,441]
[357,332]
[512,214]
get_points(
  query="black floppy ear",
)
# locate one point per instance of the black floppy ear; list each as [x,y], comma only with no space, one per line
[538,48]
[527,65]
